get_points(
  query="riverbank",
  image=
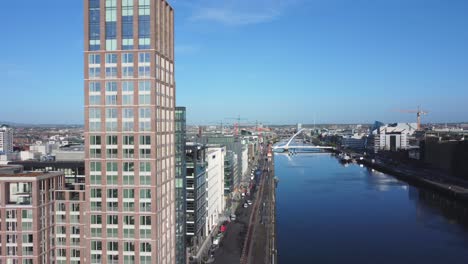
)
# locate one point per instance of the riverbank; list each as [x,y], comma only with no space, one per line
[446,185]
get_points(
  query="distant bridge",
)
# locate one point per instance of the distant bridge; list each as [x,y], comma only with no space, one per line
[288,145]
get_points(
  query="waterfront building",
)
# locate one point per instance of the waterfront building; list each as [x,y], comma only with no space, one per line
[196,195]
[129,131]
[181,184]
[215,186]
[447,154]
[392,137]
[355,141]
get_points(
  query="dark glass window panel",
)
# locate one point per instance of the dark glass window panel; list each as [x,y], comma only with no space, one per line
[143,26]
[94,15]
[127,30]
[111,30]
[94,47]
[93,3]
[94,31]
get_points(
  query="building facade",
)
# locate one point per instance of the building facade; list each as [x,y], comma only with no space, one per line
[391,137]
[215,185]
[6,139]
[27,222]
[74,170]
[129,131]
[196,194]
[181,184]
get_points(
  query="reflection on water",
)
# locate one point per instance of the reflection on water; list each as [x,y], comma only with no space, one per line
[330,213]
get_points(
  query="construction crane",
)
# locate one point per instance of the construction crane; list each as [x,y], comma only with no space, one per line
[418,113]
[236,125]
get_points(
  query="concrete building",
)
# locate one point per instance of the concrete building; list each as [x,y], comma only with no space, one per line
[129,131]
[70,153]
[6,139]
[196,195]
[181,184]
[392,137]
[215,185]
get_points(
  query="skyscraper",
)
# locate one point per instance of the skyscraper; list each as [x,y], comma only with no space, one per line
[6,139]
[129,130]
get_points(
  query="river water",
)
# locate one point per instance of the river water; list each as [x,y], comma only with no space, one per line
[330,213]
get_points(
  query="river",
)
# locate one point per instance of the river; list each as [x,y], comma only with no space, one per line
[330,213]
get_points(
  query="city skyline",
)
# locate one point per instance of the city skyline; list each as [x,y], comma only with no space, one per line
[396,55]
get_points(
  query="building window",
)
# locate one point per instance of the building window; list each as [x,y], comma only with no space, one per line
[95,153]
[144,58]
[127,65]
[112,167]
[111,87]
[128,166]
[144,92]
[129,140]
[95,140]
[127,93]
[144,29]
[129,246]
[112,179]
[112,220]
[145,140]
[111,24]
[127,24]
[94,28]
[96,219]
[113,193]
[144,119]
[95,166]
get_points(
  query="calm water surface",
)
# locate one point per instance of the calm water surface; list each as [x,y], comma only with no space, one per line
[329,213]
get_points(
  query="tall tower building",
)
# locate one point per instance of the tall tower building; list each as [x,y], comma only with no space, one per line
[129,130]
[6,139]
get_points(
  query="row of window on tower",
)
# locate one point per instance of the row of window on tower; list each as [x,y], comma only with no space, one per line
[127,21]
[130,68]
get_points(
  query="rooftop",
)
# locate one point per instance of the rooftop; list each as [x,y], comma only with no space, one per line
[32,174]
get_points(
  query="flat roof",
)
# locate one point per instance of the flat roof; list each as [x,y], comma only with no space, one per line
[31,174]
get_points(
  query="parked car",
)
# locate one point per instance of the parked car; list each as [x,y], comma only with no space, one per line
[249,202]
[246,205]
[233,217]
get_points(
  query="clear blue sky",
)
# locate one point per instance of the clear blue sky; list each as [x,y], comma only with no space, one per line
[271,60]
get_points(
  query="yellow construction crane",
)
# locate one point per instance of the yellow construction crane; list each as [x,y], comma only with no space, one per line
[418,113]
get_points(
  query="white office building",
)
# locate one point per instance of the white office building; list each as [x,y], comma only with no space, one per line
[6,139]
[215,185]
[393,137]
